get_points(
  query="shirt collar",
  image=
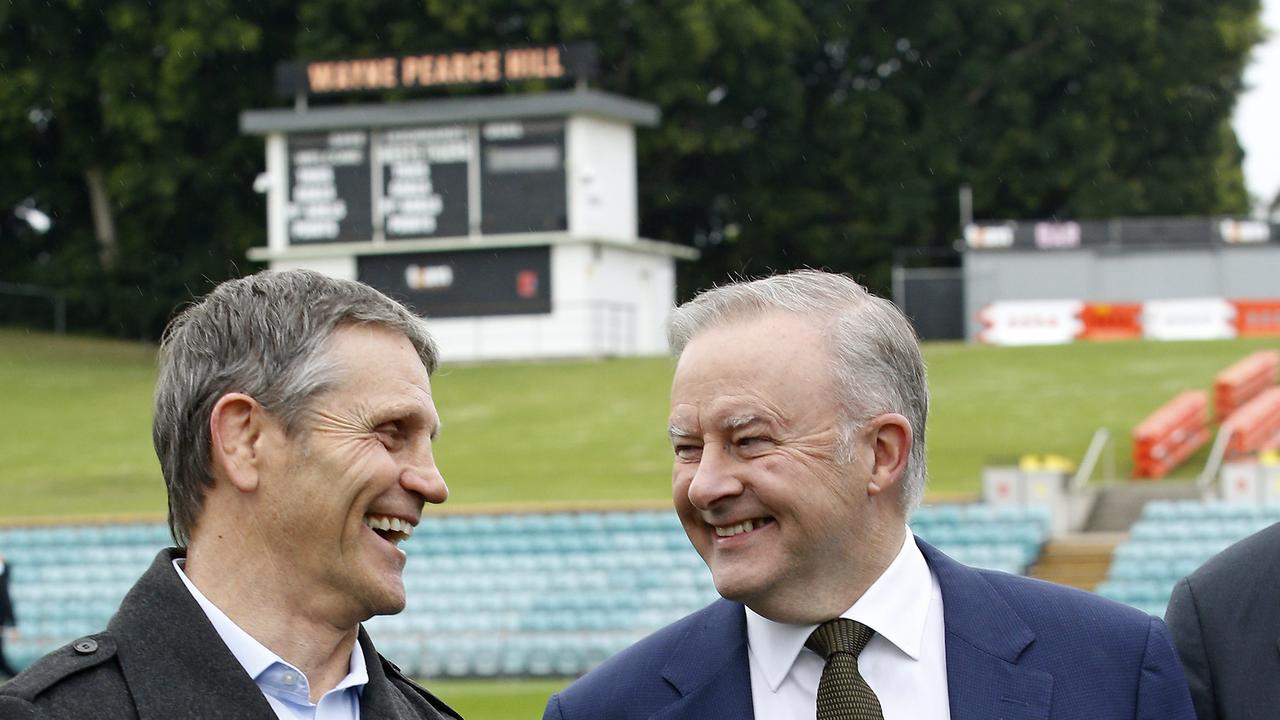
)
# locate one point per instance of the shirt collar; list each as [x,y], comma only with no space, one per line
[895,606]
[253,655]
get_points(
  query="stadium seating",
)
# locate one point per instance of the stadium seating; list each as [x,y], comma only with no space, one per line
[521,594]
[1173,538]
[68,580]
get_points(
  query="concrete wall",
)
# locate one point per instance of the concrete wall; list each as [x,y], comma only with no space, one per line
[606,301]
[600,169]
[1109,275]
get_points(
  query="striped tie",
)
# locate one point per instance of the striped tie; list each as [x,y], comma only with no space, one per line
[842,693]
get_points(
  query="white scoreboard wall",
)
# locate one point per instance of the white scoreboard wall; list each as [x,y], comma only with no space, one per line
[510,222]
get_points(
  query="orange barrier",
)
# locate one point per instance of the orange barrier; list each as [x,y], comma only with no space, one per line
[1257,318]
[1111,321]
[1256,426]
[1243,381]
[1171,434]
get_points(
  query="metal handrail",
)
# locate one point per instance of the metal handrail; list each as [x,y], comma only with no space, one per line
[1216,455]
[1101,437]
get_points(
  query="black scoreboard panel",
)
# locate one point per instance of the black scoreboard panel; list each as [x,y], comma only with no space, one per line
[522,177]
[424,182]
[330,196]
[465,283]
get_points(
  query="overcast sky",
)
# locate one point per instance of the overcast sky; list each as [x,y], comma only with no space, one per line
[1257,118]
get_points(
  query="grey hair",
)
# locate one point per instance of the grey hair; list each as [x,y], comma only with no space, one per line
[266,336]
[876,359]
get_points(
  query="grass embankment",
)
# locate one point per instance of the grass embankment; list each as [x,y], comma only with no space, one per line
[76,414]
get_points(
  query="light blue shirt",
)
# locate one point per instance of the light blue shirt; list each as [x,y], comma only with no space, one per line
[284,686]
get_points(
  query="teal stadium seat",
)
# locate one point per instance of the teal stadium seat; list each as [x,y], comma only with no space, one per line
[1170,540]
[521,594]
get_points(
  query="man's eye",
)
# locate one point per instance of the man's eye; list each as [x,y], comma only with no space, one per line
[389,433]
[750,442]
[688,453]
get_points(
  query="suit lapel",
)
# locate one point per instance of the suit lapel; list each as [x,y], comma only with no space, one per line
[984,637]
[709,668]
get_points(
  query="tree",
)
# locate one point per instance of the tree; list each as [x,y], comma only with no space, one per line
[128,113]
[794,132]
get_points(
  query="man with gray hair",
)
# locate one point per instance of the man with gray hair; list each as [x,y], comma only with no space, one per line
[797,424]
[294,425]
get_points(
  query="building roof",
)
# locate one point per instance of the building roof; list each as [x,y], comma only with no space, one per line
[451,110]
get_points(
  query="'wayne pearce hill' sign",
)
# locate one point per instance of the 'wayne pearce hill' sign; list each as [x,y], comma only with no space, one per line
[573,61]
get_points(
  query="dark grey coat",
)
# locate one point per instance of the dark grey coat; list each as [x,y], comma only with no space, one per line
[1225,619]
[161,659]
[7,618]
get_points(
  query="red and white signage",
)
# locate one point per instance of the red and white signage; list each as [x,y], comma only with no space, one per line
[1056,236]
[1244,231]
[1197,319]
[1030,322]
[1041,322]
[1257,318]
[988,236]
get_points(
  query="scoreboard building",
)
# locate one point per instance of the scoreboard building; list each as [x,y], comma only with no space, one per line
[510,221]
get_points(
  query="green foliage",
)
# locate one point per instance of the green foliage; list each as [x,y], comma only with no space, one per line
[794,132]
[75,434]
[149,93]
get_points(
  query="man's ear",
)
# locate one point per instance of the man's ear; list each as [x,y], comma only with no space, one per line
[236,426]
[890,439]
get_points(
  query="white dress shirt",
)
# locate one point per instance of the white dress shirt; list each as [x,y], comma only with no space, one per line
[904,663]
[284,686]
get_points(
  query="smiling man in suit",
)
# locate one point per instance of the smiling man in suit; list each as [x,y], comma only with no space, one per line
[797,422]
[294,425]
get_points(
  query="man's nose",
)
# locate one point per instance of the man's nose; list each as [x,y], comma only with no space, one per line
[715,478]
[424,479]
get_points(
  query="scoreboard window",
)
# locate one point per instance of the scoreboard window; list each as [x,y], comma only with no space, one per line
[329,188]
[424,182]
[522,177]
[465,283]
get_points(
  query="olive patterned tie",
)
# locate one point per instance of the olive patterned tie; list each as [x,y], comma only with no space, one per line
[842,693]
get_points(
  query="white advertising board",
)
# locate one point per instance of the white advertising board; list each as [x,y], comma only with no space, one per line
[1192,319]
[1030,322]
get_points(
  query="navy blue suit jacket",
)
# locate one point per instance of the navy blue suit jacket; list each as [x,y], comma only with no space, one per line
[1017,649]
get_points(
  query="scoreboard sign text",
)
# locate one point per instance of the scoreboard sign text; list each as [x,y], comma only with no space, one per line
[573,61]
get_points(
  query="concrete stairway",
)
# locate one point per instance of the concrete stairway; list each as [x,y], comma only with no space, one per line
[1083,559]
[1118,505]
[1079,560]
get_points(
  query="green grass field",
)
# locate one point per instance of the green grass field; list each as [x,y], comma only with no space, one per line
[75,431]
[496,700]
[75,426]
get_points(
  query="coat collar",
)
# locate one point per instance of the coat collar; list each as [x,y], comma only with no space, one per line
[177,666]
[172,658]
